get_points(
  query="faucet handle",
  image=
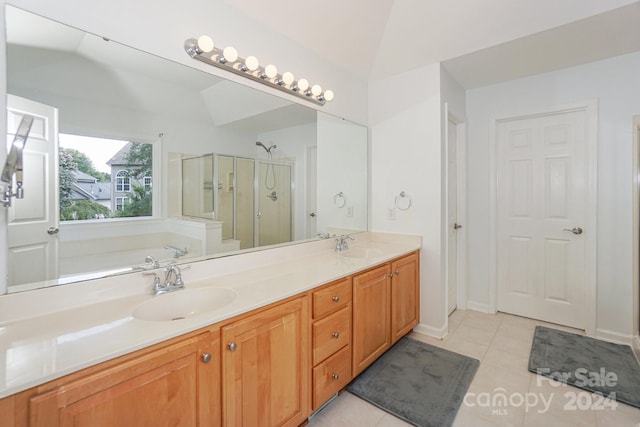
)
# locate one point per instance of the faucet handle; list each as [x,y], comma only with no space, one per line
[156,281]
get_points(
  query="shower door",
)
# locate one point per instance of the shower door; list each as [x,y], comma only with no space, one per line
[273,200]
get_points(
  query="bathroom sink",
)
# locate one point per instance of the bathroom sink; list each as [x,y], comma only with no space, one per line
[362,253]
[184,303]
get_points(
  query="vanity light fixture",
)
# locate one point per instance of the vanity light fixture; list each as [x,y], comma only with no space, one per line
[203,49]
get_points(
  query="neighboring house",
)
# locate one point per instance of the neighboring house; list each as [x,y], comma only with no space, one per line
[86,187]
[121,183]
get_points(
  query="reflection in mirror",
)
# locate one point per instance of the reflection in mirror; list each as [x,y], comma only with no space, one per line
[213,189]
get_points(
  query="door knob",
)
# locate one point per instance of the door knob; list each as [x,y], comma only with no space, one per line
[312,214]
[53,230]
[574,230]
[456,226]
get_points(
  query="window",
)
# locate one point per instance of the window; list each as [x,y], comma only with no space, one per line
[121,202]
[105,178]
[123,182]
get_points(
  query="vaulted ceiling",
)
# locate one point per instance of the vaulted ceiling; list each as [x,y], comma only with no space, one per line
[374,39]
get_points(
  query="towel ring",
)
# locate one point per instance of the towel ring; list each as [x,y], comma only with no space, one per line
[403,201]
[339,200]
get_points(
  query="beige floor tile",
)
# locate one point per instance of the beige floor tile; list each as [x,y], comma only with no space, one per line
[465,347]
[620,416]
[456,318]
[390,421]
[487,322]
[348,410]
[504,359]
[520,346]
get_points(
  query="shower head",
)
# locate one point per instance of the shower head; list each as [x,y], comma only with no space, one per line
[268,150]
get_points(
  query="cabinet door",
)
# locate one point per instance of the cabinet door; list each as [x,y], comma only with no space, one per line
[405,299]
[161,388]
[265,365]
[371,317]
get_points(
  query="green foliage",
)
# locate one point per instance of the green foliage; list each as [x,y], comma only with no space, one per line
[140,160]
[82,210]
[84,164]
[66,168]
[140,204]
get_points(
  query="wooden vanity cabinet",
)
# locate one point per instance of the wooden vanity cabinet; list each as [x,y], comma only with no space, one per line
[331,340]
[405,295]
[265,367]
[173,385]
[371,316]
[385,308]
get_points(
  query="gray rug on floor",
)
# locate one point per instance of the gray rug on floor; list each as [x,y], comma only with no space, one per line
[590,364]
[422,384]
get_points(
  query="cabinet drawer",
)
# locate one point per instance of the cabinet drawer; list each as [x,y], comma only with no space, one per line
[331,376]
[331,298]
[331,333]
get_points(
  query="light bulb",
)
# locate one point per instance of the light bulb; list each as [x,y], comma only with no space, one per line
[230,54]
[252,63]
[328,95]
[287,78]
[271,71]
[205,44]
[316,90]
[303,84]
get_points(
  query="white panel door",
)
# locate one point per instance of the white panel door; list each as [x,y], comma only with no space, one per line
[312,191]
[542,205]
[33,251]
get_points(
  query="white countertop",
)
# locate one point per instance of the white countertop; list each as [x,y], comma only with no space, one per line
[48,333]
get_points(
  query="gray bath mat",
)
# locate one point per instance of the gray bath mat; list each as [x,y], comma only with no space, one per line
[422,384]
[590,364]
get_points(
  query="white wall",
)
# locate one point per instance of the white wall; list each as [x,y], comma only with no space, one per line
[405,151]
[342,167]
[616,86]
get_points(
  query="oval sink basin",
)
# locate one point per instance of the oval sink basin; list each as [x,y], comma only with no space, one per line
[362,253]
[185,303]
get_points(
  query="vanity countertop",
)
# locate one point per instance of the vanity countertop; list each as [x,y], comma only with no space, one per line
[48,333]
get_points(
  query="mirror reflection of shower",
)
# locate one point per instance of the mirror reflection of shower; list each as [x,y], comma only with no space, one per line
[272,185]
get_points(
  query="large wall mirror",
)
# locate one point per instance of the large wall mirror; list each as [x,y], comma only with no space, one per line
[135,161]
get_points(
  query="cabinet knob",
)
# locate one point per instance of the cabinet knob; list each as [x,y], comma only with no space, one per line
[397,272]
[336,335]
[335,377]
[391,275]
[336,298]
[206,357]
[232,346]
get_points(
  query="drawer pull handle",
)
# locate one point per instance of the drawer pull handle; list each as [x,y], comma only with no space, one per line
[336,298]
[335,377]
[232,346]
[206,357]
[336,335]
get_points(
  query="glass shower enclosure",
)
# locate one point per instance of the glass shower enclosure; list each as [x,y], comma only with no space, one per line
[252,198]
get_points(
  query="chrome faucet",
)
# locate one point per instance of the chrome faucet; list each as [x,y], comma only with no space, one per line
[341,242]
[177,252]
[172,280]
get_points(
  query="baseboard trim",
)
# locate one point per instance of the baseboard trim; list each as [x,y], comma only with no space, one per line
[635,347]
[614,337]
[431,331]
[478,306]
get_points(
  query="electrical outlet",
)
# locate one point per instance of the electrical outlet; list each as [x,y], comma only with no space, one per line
[349,211]
[391,213]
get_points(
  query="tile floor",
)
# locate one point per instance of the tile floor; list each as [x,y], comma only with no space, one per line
[502,344]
